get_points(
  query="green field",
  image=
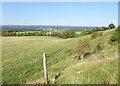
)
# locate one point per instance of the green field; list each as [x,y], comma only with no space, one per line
[22,60]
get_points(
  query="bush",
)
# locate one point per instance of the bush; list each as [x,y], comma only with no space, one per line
[97,48]
[96,34]
[87,32]
[105,28]
[83,33]
[97,29]
[68,34]
[90,31]
[84,47]
[114,36]
[55,34]
[43,33]
[100,29]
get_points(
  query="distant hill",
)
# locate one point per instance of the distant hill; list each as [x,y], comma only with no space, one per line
[45,26]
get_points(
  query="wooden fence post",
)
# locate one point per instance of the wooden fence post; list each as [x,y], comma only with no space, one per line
[45,68]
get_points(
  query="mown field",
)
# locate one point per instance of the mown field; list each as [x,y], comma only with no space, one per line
[22,60]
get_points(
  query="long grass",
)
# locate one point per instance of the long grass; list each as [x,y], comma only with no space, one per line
[22,60]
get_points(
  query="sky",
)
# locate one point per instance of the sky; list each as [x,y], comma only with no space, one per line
[60,13]
[60,0]
[119,13]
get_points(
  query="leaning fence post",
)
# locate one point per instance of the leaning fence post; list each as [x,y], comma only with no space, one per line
[45,68]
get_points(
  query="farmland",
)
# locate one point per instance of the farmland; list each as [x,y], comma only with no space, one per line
[22,60]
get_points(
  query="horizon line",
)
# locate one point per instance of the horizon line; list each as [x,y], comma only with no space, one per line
[52,25]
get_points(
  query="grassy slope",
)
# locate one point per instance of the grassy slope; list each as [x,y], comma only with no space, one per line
[22,60]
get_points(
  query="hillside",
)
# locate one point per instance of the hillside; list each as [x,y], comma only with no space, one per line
[22,60]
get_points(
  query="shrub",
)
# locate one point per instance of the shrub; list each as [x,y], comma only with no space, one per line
[114,36]
[100,29]
[97,29]
[87,32]
[104,28]
[84,47]
[43,33]
[12,33]
[55,34]
[68,34]
[83,33]
[90,31]
[97,48]
[96,34]
[34,34]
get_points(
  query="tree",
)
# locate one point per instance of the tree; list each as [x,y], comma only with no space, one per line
[111,26]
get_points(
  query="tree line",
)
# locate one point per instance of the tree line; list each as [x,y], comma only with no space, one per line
[65,34]
[90,31]
[61,34]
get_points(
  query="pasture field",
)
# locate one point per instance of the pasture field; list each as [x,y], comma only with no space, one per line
[22,60]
